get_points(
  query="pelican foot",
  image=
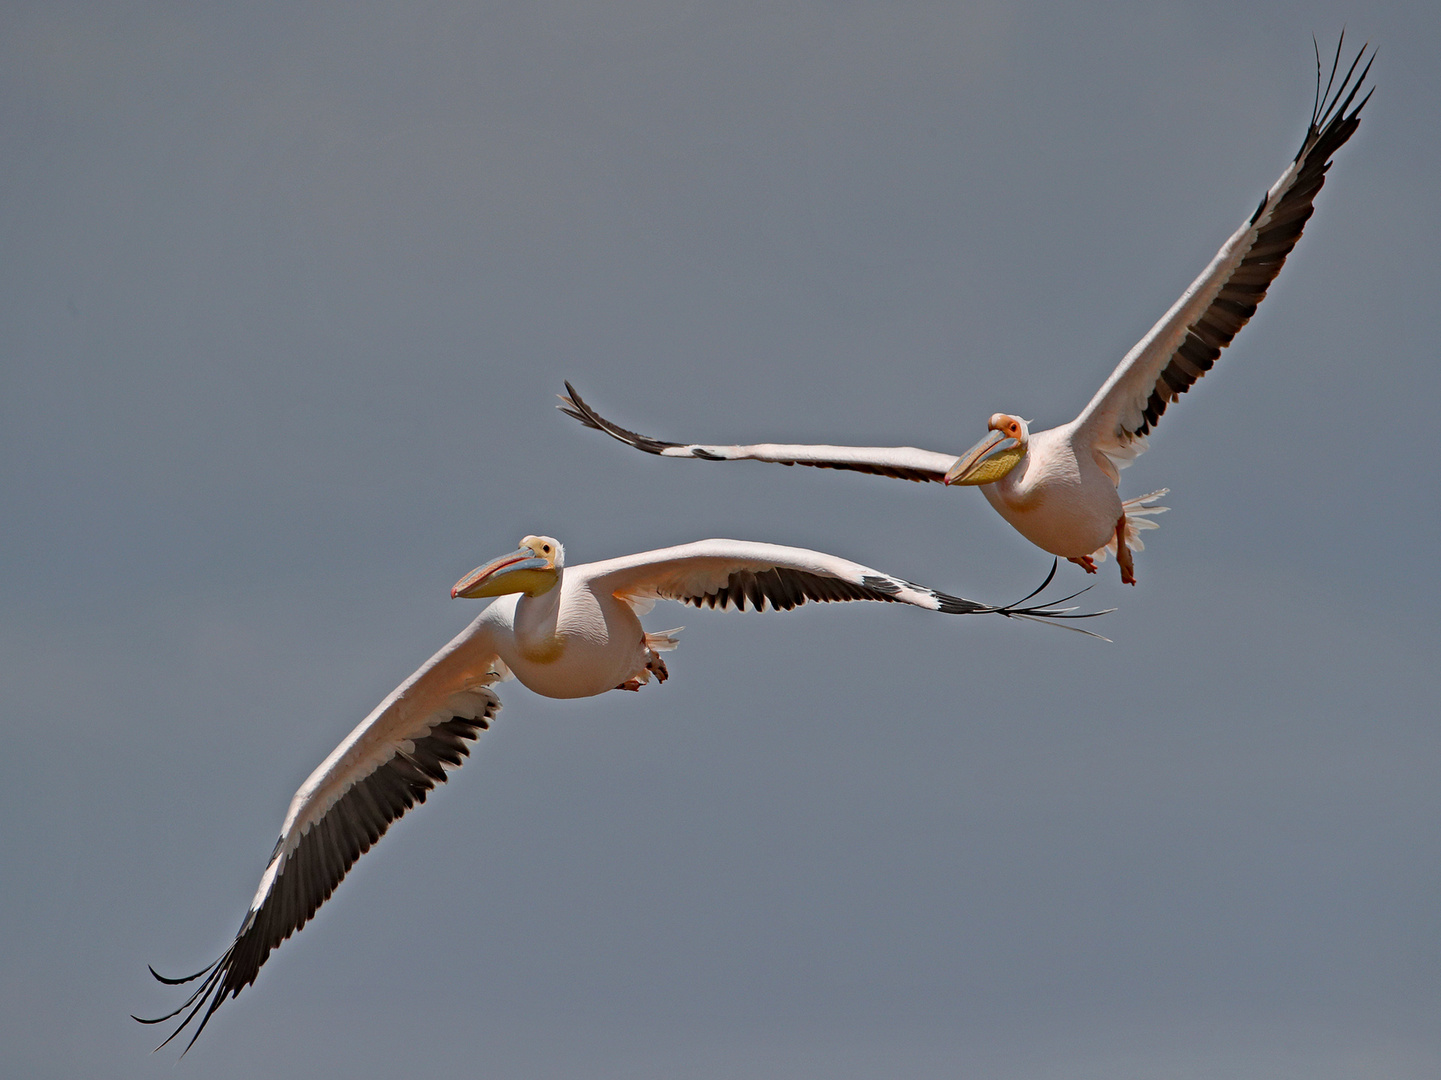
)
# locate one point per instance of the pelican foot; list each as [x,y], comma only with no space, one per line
[630,684]
[1085,562]
[656,666]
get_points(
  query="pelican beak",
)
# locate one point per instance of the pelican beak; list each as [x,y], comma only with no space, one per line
[974,467]
[520,571]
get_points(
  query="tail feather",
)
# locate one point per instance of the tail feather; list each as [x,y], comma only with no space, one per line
[663,640]
[1139,512]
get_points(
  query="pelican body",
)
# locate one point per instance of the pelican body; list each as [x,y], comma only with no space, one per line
[565,642]
[563,633]
[1060,496]
[1058,488]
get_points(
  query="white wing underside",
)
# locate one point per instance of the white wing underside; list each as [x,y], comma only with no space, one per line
[1188,339]
[899,459]
[722,573]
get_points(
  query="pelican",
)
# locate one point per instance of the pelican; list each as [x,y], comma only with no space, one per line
[1058,487]
[564,633]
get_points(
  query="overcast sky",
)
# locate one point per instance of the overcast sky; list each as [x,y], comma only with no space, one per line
[286,295]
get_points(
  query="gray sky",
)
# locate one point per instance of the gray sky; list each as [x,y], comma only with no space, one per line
[286,297]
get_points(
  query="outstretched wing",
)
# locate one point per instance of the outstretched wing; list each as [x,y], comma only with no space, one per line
[384,767]
[734,573]
[902,462]
[1189,338]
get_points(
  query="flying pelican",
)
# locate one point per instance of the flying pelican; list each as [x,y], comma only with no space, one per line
[1058,487]
[564,633]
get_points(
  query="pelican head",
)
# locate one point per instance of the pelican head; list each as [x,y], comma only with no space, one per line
[975,467]
[533,568]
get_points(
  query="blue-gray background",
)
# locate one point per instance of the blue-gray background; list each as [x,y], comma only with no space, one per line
[286,293]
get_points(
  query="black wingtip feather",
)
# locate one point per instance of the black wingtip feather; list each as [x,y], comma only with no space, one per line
[1050,577]
[1335,116]
[575,407]
[324,856]
[1048,611]
[176,982]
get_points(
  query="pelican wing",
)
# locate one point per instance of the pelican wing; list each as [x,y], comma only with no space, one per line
[1181,348]
[734,573]
[902,462]
[384,767]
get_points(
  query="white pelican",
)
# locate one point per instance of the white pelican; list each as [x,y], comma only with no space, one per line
[1058,487]
[564,633]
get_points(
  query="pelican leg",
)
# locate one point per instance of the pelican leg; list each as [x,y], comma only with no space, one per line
[1123,553]
[632,683]
[1085,562]
[656,666]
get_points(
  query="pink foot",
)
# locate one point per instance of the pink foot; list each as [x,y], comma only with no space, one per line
[1085,562]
